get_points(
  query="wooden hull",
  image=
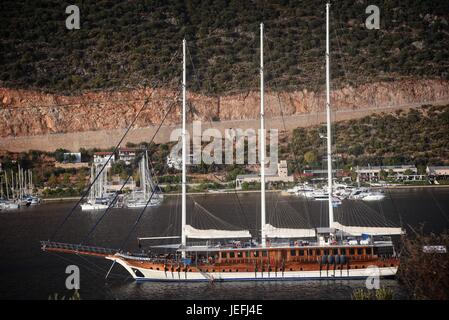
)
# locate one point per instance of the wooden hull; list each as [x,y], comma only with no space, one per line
[141,271]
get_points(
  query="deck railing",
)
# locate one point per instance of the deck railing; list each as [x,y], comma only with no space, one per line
[76,247]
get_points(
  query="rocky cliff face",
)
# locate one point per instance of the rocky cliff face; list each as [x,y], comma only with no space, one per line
[25,113]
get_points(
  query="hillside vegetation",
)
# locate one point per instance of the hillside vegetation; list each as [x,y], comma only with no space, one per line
[123,44]
[417,137]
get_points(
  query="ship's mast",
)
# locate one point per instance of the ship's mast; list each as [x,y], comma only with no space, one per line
[328,114]
[262,145]
[184,149]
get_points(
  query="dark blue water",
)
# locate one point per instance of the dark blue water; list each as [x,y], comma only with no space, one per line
[28,273]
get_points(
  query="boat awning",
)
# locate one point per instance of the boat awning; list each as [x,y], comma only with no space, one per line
[194,233]
[373,231]
[273,232]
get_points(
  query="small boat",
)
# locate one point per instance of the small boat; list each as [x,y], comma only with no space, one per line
[143,202]
[374,196]
[93,206]
[306,191]
[321,195]
[300,188]
[34,200]
[358,193]
[9,205]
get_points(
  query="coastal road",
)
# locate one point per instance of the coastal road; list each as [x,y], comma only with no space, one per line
[108,138]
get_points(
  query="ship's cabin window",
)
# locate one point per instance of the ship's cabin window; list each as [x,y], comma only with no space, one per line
[231,254]
[301,252]
[342,251]
[293,253]
[256,253]
[223,255]
[351,252]
[310,252]
[247,254]
[239,254]
[368,251]
[326,252]
[334,251]
[317,252]
[359,251]
[264,253]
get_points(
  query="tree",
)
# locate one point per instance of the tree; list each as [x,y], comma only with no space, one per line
[52,181]
[356,150]
[66,179]
[59,154]
[245,186]
[310,157]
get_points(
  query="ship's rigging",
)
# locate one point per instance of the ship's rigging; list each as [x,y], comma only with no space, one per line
[327,238]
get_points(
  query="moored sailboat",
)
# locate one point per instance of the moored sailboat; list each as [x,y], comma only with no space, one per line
[97,199]
[139,198]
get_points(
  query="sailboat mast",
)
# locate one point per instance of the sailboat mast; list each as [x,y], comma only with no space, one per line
[6,186]
[19,182]
[262,145]
[184,149]
[328,114]
[143,178]
[1,186]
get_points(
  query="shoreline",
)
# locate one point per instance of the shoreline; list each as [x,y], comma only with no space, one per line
[283,192]
[416,186]
[169,194]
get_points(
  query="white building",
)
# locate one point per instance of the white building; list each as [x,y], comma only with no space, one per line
[437,171]
[72,157]
[374,171]
[102,158]
[127,154]
[280,176]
